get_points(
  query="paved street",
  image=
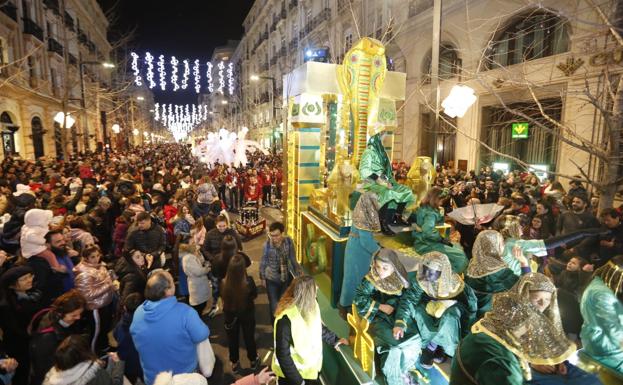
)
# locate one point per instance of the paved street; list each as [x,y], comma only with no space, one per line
[222,371]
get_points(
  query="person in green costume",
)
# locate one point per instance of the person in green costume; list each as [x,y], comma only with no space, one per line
[487,273]
[602,310]
[376,168]
[441,305]
[427,237]
[503,344]
[510,227]
[360,246]
[520,341]
[376,300]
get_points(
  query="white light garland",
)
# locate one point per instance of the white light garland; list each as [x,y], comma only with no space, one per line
[197,76]
[144,69]
[157,111]
[174,63]
[209,77]
[221,77]
[186,74]
[149,60]
[137,76]
[162,72]
[230,78]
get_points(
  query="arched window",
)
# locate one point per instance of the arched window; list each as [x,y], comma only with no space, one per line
[530,36]
[449,61]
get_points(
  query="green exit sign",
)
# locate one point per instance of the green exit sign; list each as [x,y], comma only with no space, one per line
[520,131]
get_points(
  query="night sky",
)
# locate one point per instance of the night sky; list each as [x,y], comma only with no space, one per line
[184,28]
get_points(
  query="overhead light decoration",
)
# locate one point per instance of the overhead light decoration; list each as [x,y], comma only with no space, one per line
[230,78]
[149,60]
[116,128]
[162,72]
[458,101]
[64,119]
[209,77]
[137,77]
[174,63]
[197,76]
[180,78]
[221,77]
[157,111]
[185,75]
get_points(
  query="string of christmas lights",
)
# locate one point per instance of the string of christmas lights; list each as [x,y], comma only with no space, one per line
[180,77]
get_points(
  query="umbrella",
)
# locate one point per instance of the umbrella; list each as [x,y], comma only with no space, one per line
[476,213]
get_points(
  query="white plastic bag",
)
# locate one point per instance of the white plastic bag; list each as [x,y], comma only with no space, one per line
[205,357]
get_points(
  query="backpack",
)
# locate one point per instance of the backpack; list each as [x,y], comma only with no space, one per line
[36,320]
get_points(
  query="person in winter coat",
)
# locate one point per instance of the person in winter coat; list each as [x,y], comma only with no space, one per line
[148,237]
[19,303]
[32,238]
[60,322]
[238,292]
[22,203]
[167,378]
[80,237]
[125,345]
[183,222]
[93,281]
[75,364]
[205,196]
[166,333]
[196,269]
[220,261]
[121,232]
[214,237]
[132,272]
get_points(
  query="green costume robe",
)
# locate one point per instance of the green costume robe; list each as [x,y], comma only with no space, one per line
[397,356]
[486,361]
[528,246]
[374,160]
[602,332]
[445,331]
[429,238]
[485,287]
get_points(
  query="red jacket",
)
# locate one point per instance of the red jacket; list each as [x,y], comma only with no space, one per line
[253,192]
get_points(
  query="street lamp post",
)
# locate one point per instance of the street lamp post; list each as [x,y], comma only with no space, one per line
[83,101]
[256,78]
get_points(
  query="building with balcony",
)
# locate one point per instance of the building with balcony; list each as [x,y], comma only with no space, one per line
[504,52]
[44,44]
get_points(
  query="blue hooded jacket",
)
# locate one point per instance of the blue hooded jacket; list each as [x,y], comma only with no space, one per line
[166,334]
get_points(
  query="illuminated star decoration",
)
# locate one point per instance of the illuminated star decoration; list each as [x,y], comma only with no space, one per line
[137,76]
[162,72]
[364,345]
[149,60]
[185,75]
[230,78]
[221,77]
[174,63]
[209,77]
[197,76]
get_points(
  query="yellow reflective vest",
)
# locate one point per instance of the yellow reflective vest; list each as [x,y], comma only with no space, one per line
[307,339]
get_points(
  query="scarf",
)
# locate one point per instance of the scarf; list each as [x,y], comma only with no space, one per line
[282,253]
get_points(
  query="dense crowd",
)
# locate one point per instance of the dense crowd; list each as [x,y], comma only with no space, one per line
[97,245]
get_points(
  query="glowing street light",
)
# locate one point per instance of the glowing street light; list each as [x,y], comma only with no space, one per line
[458,101]
[108,65]
[254,78]
[64,118]
[135,132]
[116,128]
[140,98]
[224,102]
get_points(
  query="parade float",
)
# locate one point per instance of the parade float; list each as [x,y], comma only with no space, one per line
[330,111]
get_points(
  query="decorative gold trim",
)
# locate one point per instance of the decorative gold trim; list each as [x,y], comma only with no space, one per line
[451,295]
[570,65]
[499,268]
[479,328]
[396,292]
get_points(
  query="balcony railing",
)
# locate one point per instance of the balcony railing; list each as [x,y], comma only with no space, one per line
[10,10]
[31,28]
[82,37]
[72,59]
[69,21]
[52,5]
[55,46]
